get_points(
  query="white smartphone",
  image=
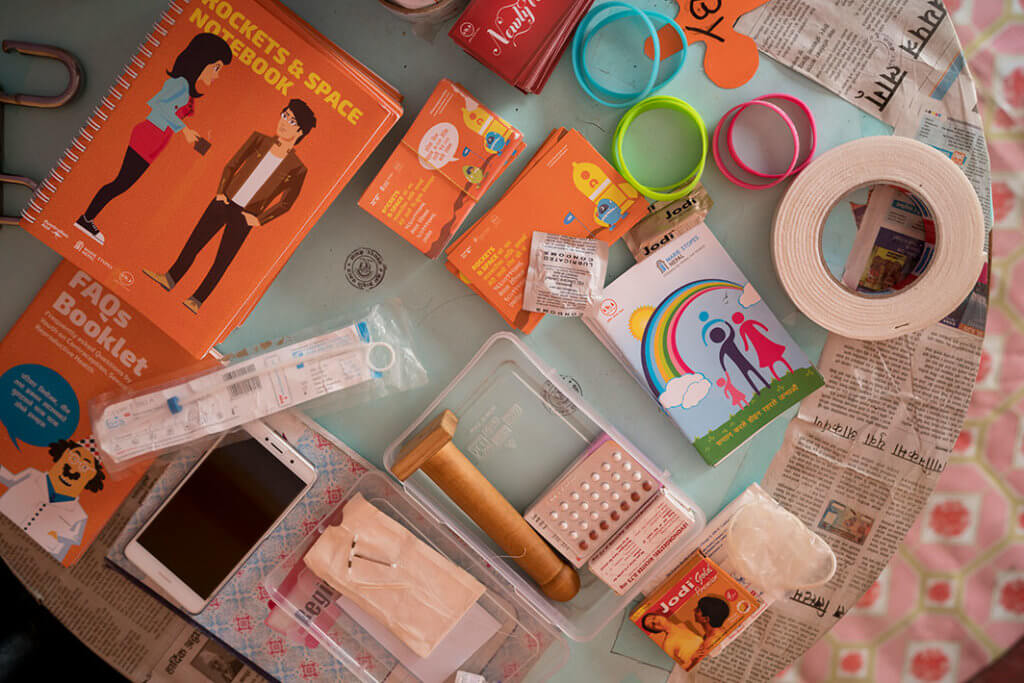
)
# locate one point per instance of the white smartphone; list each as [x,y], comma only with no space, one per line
[210,524]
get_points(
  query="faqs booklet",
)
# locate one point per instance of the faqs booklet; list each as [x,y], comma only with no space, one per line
[224,139]
[693,330]
[77,339]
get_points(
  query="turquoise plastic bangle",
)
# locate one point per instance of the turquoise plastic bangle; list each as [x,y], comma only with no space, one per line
[590,84]
[577,52]
[684,186]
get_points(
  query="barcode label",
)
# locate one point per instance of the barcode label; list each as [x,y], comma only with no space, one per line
[245,387]
[239,372]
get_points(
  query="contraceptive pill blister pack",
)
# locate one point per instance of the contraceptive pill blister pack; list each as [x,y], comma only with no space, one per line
[595,497]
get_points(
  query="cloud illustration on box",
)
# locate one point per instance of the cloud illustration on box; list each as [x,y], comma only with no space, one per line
[685,392]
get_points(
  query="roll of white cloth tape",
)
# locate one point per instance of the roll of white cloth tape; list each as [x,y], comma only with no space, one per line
[959,237]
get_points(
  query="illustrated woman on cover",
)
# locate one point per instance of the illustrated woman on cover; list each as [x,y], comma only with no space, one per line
[681,643]
[685,643]
[198,64]
[768,352]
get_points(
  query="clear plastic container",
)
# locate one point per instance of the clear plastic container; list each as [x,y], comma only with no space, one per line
[521,426]
[524,642]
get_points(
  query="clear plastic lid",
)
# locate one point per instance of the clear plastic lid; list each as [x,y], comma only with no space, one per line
[521,426]
[523,643]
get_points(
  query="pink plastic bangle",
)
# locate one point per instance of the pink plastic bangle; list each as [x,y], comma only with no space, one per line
[810,128]
[718,157]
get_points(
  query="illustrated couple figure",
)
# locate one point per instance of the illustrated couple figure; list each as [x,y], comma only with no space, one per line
[260,182]
[768,352]
[688,644]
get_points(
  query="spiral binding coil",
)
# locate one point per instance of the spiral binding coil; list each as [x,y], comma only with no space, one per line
[99,115]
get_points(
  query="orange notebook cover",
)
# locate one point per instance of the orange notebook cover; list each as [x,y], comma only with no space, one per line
[215,151]
[77,339]
[568,189]
[452,154]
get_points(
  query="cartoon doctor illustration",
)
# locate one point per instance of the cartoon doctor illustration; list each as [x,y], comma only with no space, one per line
[45,504]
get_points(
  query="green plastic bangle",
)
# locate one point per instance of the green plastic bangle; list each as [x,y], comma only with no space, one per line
[667,192]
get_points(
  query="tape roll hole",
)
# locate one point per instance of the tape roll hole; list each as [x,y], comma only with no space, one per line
[878,240]
[661,148]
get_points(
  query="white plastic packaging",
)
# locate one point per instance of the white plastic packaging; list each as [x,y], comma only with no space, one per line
[364,358]
[566,274]
[775,549]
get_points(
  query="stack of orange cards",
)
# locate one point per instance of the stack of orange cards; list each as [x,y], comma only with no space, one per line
[454,151]
[566,189]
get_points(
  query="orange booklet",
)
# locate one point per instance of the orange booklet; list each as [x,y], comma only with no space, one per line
[452,154]
[77,339]
[694,610]
[215,151]
[567,189]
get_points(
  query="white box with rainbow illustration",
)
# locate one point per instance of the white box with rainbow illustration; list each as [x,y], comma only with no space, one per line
[694,331]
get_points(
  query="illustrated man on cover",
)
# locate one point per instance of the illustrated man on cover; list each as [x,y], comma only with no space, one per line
[260,183]
[45,504]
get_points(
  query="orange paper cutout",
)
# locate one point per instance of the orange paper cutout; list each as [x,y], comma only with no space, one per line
[730,58]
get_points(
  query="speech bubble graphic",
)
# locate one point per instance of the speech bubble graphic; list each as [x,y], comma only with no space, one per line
[439,146]
[37,405]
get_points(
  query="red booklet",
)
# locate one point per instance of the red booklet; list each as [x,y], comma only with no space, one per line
[208,161]
[77,339]
[520,40]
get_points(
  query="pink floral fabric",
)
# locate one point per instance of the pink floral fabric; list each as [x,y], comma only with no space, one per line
[952,599]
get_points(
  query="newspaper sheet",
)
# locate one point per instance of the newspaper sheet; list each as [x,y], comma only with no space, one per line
[862,456]
[193,657]
[898,60]
[119,621]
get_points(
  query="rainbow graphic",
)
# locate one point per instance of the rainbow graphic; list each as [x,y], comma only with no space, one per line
[659,351]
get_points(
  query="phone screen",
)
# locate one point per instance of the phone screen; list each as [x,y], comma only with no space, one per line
[212,522]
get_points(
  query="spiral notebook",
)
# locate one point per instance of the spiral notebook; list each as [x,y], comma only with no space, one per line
[223,140]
